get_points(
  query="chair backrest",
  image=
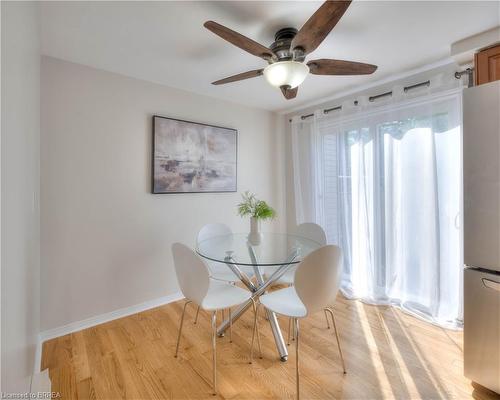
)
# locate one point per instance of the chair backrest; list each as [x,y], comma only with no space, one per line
[211,230]
[192,273]
[317,278]
[311,231]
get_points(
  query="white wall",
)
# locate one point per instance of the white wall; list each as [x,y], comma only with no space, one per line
[20,254]
[105,238]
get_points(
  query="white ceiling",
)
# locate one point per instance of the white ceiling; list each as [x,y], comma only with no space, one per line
[165,42]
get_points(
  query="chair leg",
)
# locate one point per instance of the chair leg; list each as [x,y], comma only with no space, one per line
[297,356]
[289,330]
[258,333]
[255,329]
[293,330]
[196,318]
[214,352]
[180,328]
[230,327]
[326,318]
[330,311]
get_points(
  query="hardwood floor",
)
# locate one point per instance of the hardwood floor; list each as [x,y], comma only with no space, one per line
[388,354]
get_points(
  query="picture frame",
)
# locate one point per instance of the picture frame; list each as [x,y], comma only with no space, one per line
[193,157]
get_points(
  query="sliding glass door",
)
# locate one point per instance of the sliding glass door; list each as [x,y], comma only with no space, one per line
[387,189]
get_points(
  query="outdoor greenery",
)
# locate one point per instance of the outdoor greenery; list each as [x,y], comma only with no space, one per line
[253,207]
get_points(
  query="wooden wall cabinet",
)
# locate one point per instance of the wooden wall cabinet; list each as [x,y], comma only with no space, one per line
[487,65]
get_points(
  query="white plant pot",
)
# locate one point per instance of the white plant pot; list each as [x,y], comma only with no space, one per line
[255,237]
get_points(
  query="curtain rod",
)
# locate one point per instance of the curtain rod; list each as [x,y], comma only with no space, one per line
[371,98]
[458,75]
[470,76]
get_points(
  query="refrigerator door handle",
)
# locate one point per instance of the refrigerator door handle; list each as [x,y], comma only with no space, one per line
[491,284]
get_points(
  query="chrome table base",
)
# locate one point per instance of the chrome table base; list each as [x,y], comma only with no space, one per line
[258,290]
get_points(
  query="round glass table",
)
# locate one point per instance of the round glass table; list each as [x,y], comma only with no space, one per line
[271,250]
[277,252]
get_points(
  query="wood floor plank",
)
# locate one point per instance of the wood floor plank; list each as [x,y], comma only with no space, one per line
[64,379]
[79,357]
[85,390]
[57,352]
[141,373]
[388,355]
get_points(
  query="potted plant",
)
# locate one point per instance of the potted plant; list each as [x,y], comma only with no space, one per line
[257,210]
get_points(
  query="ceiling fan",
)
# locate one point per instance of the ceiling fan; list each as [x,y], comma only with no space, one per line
[287,54]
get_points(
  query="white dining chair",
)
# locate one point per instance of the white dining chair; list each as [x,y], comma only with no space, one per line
[311,231]
[209,294]
[218,270]
[308,230]
[316,283]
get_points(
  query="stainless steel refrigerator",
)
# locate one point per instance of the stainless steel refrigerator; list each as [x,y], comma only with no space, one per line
[481,155]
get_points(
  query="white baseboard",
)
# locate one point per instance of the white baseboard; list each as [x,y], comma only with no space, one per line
[38,356]
[97,320]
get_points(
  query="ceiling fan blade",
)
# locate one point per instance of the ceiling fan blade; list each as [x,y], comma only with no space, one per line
[317,28]
[289,93]
[326,66]
[239,77]
[247,44]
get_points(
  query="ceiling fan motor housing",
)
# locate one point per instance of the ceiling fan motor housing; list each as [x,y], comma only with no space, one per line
[282,41]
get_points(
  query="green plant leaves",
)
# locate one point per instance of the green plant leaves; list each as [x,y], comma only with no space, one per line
[253,207]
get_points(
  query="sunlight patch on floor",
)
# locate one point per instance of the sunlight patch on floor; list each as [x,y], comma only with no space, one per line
[383,380]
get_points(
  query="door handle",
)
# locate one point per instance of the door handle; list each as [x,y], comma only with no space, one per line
[491,284]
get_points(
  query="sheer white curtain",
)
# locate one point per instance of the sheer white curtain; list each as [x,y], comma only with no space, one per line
[384,181]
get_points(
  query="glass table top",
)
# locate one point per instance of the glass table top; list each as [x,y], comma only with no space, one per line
[273,249]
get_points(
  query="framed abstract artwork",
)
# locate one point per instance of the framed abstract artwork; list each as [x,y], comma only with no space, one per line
[190,157]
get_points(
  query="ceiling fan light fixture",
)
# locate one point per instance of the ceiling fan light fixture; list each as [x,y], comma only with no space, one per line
[286,73]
